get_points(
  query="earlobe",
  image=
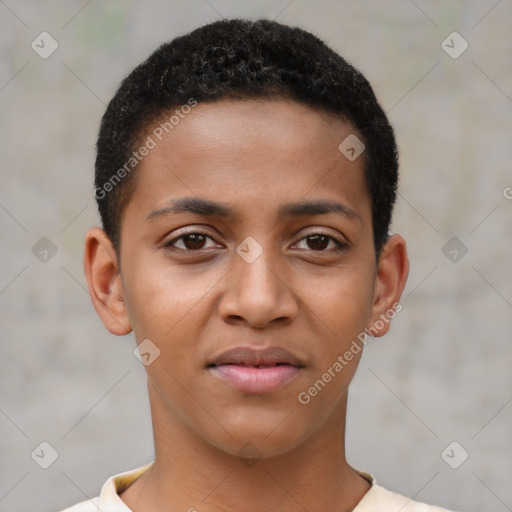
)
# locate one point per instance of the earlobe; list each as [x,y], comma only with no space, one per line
[392,272]
[104,281]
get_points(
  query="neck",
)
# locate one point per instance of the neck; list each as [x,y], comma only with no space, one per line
[191,474]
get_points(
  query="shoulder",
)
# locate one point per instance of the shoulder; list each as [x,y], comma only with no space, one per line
[85,506]
[382,500]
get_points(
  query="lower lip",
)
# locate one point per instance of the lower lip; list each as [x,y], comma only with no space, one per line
[256,380]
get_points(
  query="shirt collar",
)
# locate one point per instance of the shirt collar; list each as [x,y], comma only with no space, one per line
[110,501]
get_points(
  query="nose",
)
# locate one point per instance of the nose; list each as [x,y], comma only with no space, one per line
[258,293]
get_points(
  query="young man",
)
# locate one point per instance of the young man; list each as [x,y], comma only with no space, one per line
[246,177]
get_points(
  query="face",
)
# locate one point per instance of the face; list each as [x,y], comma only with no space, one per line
[249,229]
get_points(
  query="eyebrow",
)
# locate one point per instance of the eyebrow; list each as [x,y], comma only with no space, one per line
[209,208]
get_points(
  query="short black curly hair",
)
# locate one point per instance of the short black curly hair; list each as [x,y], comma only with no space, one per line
[239,58]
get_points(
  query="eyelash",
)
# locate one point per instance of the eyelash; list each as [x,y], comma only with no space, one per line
[341,246]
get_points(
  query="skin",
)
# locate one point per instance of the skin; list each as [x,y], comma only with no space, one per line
[253,156]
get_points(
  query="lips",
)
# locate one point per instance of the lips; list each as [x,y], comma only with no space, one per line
[256,371]
[245,356]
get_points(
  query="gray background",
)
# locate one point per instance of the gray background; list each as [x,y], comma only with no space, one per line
[442,374]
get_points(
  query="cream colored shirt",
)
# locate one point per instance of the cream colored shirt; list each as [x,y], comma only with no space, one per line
[377,499]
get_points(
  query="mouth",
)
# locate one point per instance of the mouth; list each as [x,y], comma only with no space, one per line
[256,371]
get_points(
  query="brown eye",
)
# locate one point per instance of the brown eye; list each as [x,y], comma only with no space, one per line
[194,241]
[318,242]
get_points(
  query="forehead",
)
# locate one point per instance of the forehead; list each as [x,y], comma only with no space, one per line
[256,151]
[278,125]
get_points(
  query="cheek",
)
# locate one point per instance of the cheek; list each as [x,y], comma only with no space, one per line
[161,299]
[343,310]
[343,302]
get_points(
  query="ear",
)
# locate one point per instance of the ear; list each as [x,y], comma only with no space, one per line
[104,281]
[392,272]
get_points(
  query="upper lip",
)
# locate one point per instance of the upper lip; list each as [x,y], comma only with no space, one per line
[248,356]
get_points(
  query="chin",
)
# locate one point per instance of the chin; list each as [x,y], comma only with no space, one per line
[259,441]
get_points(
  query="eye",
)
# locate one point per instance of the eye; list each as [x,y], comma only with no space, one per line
[193,241]
[321,241]
[198,240]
